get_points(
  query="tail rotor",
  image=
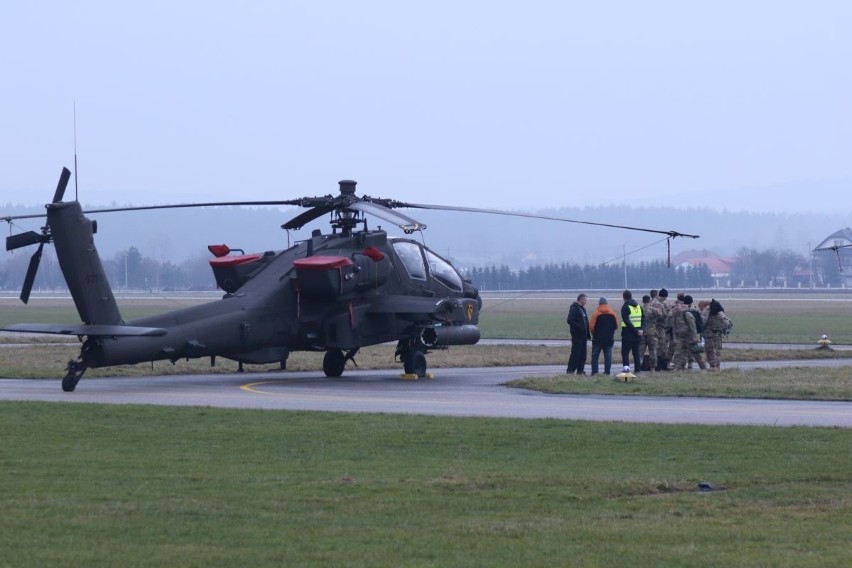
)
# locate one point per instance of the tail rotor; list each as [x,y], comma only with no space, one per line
[31,237]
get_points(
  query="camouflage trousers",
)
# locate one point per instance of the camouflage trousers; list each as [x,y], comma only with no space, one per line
[672,347]
[713,345]
[662,341]
[651,346]
[682,353]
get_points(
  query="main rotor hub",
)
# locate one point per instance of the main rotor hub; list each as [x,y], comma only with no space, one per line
[347,186]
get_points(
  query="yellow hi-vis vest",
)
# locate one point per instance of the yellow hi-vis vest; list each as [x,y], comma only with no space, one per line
[635,317]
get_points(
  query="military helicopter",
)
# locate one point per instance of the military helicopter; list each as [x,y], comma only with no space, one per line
[334,292]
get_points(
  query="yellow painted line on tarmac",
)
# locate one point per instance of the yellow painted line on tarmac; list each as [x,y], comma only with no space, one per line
[254,389]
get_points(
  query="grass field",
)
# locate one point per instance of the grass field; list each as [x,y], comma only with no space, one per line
[91,485]
[99,485]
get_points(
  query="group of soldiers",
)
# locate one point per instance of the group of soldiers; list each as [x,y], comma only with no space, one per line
[675,334]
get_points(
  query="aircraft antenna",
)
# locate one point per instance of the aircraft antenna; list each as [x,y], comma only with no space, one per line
[76,198]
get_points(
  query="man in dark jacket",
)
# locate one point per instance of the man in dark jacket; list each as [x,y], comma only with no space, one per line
[578,323]
[632,326]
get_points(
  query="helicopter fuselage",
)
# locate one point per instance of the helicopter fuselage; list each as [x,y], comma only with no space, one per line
[331,292]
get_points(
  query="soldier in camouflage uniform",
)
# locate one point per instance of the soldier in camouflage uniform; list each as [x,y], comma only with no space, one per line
[673,340]
[686,338]
[716,325]
[704,311]
[651,341]
[662,312]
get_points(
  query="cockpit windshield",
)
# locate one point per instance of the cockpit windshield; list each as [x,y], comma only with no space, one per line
[443,272]
[412,258]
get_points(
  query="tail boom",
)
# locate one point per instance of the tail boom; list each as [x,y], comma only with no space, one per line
[72,235]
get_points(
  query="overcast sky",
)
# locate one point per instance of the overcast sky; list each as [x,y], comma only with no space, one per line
[487,104]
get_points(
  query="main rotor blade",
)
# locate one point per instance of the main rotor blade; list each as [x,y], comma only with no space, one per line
[297,202]
[32,269]
[303,219]
[544,217]
[22,240]
[60,187]
[404,222]
[190,205]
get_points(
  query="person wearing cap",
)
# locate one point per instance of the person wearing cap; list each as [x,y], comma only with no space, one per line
[602,325]
[686,337]
[578,325]
[632,325]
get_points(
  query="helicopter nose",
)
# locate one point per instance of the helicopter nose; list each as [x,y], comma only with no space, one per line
[347,186]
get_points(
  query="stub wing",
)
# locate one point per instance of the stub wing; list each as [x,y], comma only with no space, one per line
[440,309]
[392,304]
[88,330]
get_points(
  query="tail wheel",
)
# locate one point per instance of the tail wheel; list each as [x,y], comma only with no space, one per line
[75,370]
[414,363]
[333,363]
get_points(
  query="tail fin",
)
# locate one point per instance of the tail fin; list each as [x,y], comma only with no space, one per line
[72,235]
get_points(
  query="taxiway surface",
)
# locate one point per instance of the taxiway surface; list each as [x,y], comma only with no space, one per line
[453,392]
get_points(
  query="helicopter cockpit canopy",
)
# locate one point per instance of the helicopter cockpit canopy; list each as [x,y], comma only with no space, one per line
[415,258]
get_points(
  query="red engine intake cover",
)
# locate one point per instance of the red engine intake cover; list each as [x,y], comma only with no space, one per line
[322,262]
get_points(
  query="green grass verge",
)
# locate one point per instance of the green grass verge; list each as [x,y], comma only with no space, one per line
[90,485]
[797,383]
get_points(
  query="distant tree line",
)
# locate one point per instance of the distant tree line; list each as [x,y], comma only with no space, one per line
[128,269]
[751,268]
[571,275]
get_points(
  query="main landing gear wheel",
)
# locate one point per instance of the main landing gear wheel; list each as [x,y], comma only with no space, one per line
[414,363]
[333,363]
[73,375]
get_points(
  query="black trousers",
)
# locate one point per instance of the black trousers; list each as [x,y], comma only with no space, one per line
[630,343]
[577,359]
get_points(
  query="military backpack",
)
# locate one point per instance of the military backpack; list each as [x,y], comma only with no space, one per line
[699,324]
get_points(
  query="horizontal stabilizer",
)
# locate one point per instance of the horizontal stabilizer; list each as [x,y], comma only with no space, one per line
[88,330]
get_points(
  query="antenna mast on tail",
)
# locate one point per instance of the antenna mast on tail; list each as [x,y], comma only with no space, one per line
[76,197]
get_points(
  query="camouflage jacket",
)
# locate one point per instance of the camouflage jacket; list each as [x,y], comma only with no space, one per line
[717,323]
[683,324]
[657,313]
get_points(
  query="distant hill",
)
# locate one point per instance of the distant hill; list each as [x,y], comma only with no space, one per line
[817,196]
